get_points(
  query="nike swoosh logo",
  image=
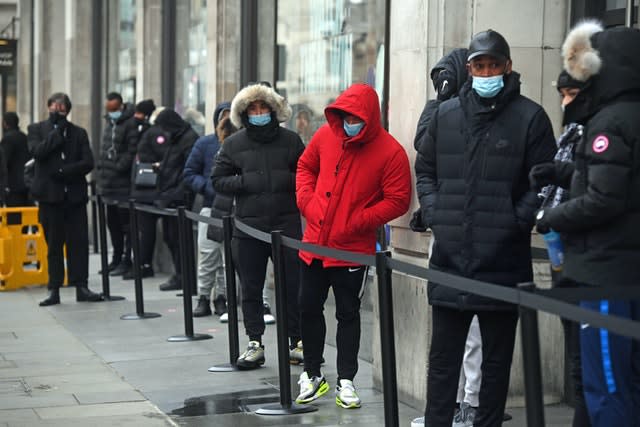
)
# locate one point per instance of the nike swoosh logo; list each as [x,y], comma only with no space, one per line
[353,270]
[584,326]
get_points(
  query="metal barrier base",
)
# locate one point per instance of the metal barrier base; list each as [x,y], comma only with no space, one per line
[225,367]
[136,316]
[194,337]
[279,409]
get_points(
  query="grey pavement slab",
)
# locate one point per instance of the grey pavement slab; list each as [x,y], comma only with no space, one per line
[80,364]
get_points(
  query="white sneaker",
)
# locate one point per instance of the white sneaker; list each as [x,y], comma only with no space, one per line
[417,422]
[268,317]
[296,354]
[253,356]
[311,388]
[346,395]
[224,318]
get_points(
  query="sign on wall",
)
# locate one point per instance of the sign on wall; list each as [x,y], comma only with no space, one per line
[8,58]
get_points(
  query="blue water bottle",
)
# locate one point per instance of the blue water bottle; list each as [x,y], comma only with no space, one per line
[555,249]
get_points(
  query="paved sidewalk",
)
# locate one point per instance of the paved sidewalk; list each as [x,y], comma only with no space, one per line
[79,364]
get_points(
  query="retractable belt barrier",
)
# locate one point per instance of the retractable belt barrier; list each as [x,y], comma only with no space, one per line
[526,297]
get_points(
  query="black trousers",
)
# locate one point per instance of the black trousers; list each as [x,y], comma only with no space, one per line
[347,283]
[147,235]
[250,257]
[118,225]
[450,328]
[66,223]
[171,238]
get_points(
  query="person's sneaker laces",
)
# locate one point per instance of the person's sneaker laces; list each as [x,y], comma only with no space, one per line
[311,388]
[464,417]
[253,356]
[417,422]
[268,317]
[346,395]
[296,354]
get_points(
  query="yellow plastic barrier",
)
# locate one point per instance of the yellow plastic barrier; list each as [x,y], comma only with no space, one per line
[23,250]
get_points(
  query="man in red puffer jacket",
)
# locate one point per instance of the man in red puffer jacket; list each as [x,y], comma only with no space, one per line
[352,178]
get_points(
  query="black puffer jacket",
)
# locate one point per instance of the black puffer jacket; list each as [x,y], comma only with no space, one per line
[152,145]
[119,140]
[261,175]
[16,151]
[472,183]
[62,159]
[601,221]
[172,190]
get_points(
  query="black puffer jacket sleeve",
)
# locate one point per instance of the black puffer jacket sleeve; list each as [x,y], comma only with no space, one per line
[426,175]
[423,123]
[226,176]
[609,160]
[541,148]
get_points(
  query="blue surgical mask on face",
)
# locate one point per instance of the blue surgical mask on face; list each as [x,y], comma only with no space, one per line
[260,119]
[352,129]
[115,115]
[488,87]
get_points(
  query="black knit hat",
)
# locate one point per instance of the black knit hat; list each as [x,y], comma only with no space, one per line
[145,107]
[565,80]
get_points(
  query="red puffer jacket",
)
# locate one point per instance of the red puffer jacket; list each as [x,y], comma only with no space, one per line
[346,187]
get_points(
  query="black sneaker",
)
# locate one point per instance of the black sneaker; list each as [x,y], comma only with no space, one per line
[173,284]
[121,268]
[111,266]
[220,305]
[145,271]
[203,308]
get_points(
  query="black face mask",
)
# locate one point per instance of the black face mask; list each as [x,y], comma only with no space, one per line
[577,111]
[57,118]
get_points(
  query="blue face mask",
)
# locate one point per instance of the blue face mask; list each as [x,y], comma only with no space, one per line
[488,87]
[260,119]
[115,115]
[352,129]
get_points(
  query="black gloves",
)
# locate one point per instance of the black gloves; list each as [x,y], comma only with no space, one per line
[416,223]
[556,173]
[541,175]
[444,82]
[542,224]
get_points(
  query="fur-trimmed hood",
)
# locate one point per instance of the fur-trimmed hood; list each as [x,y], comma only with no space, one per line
[581,60]
[255,92]
[608,61]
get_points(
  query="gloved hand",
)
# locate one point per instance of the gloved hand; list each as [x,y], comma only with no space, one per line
[445,84]
[541,175]
[416,223]
[542,223]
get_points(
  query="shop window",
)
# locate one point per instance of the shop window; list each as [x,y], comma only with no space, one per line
[323,47]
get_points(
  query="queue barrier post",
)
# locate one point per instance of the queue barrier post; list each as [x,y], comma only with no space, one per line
[104,260]
[531,361]
[187,261]
[94,217]
[232,303]
[387,340]
[135,247]
[285,407]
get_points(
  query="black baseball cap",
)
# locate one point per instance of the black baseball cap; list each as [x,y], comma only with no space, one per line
[490,43]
